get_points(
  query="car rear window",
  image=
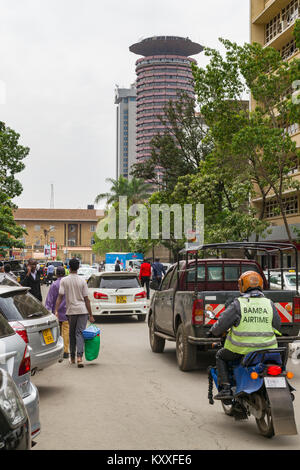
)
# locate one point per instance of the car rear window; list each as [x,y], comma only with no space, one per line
[201,274]
[119,282]
[5,328]
[22,307]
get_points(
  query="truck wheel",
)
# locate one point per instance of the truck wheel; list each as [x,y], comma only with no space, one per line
[186,353]
[157,344]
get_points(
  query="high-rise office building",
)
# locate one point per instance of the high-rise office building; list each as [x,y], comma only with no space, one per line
[125,99]
[162,73]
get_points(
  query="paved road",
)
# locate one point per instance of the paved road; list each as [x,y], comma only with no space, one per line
[130,398]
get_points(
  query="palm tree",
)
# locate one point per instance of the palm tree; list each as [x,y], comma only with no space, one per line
[136,191]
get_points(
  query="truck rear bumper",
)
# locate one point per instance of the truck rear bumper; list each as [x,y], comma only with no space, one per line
[211,341]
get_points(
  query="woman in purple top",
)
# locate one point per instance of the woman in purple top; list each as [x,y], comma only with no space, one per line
[62,317]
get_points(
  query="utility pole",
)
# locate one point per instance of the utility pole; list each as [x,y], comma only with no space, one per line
[52,197]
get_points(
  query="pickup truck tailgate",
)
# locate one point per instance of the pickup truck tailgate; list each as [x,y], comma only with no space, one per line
[284,302]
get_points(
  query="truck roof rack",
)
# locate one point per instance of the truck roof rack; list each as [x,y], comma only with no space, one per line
[267,247]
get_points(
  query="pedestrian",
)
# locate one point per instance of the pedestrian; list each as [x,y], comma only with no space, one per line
[158,271]
[8,272]
[78,309]
[62,317]
[118,265]
[50,273]
[1,267]
[130,266]
[32,280]
[145,275]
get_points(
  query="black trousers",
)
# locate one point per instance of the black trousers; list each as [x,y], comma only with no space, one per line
[224,356]
[145,280]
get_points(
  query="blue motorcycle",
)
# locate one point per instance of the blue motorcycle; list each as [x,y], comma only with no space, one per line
[260,387]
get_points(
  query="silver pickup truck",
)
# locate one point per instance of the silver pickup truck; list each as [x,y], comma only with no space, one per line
[194,285]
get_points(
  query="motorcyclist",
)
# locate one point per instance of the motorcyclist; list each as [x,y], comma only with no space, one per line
[252,321]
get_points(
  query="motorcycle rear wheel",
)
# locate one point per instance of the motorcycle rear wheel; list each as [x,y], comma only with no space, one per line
[265,423]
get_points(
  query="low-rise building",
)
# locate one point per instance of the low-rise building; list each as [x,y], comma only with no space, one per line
[70,230]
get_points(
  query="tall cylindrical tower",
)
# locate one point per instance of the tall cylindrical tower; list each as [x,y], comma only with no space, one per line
[162,73]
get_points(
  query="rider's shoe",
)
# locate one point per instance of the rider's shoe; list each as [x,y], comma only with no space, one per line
[224,393]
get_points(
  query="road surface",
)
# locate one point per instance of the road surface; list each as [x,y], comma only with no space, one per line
[131,398]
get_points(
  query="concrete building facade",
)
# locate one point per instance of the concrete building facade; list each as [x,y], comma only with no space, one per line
[271,24]
[125,99]
[72,230]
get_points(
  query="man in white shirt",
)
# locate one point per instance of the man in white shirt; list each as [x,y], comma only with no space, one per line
[78,309]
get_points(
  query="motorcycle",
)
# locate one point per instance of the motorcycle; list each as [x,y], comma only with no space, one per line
[260,387]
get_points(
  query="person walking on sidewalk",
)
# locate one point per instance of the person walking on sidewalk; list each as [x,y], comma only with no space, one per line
[62,317]
[78,309]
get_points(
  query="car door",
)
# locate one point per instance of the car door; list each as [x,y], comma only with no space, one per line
[163,296]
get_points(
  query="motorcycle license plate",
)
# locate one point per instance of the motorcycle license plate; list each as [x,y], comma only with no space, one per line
[275,382]
[121,299]
[48,337]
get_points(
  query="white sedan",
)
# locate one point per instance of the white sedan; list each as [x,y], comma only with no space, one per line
[117,293]
[86,273]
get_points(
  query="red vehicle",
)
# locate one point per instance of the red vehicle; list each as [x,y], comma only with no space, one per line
[193,286]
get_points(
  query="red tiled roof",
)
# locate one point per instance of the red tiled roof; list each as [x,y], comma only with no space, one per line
[79,215]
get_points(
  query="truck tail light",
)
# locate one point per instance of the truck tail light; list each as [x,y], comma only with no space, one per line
[100,296]
[25,365]
[140,295]
[19,328]
[296,303]
[198,312]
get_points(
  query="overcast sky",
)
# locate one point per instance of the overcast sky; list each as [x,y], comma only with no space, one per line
[60,61]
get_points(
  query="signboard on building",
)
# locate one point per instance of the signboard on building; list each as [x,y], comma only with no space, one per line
[53,250]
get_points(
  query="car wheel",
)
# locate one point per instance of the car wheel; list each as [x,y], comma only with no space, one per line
[186,353]
[141,317]
[157,344]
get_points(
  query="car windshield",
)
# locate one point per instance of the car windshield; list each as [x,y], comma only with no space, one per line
[22,307]
[119,282]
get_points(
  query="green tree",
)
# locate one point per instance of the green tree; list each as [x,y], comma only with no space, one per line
[135,190]
[12,155]
[10,232]
[255,145]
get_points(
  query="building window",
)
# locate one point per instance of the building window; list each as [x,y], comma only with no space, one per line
[93,228]
[290,13]
[37,228]
[290,204]
[273,28]
[288,50]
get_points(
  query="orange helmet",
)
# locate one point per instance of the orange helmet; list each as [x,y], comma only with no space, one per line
[250,280]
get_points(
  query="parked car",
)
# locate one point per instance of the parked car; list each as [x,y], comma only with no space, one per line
[38,327]
[192,286]
[117,293]
[17,268]
[15,430]
[16,361]
[86,273]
